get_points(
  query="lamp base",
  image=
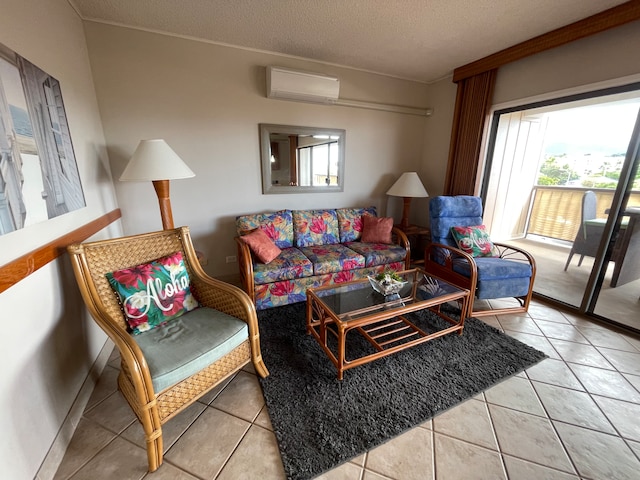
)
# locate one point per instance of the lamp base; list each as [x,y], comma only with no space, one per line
[162,190]
[404,223]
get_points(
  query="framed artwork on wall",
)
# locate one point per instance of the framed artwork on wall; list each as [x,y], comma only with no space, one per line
[39,177]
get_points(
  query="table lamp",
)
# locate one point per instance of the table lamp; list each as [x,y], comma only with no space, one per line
[407,186]
[155,161]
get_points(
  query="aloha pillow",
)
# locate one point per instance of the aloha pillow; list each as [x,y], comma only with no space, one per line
[153,293]
[473,240]
[261,245]
[376,229]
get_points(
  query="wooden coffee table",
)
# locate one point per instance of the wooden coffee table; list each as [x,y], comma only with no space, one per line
[335,311]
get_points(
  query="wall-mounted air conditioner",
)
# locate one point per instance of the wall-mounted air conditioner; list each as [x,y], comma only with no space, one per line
[287,84]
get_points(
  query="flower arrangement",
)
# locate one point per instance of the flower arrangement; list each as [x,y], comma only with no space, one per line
[387,282]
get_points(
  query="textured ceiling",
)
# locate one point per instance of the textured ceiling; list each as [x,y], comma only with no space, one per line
[420,40]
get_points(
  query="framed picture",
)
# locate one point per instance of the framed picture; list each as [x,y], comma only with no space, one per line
[39,176]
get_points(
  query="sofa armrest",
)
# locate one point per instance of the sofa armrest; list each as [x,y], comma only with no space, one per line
[401,239]
[245,264]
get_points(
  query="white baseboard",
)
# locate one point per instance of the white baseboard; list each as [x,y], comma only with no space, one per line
[59,446]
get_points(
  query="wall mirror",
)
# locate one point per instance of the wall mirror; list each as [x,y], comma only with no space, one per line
[301,159]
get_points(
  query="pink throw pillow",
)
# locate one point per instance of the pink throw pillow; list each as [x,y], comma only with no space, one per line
[261,245]
[376,229]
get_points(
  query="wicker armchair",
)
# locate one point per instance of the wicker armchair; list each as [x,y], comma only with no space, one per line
[91,261]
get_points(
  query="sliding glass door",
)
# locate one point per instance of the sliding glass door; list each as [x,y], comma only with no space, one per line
[561,181]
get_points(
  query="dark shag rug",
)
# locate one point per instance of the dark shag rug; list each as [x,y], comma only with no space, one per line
[321,422]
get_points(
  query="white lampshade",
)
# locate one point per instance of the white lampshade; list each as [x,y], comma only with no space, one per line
[408,185]
[155,160]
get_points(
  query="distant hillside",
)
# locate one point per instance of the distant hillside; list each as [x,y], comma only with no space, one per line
[21,121]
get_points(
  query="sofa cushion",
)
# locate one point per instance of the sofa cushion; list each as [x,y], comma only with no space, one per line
[333,258]
[350,222]
[378,253]
[277,225]
[315,227]
[188,344]
[290,264]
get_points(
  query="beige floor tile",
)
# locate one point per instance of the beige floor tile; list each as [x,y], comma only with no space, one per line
[601,337]
[626,362]
[515,393]
[625,416]
[359,460]
[369,475]
[522,470]
[114,359]
[171,430]
[536,341]
[107,385]
[210,396]
[633,380]
[493,321]
[113,413]
[263,419]
[470,422]
[242,397]
[407,457]
[257,457]
[571,406]
[346,471]
[206,446]
[519,324]
[169,472]
[598,455]
[580,353]
[561,331]
[120,459]
[543,312]
[554,372]
[529,437]
[456,460]
[607,383]
[635,446]
[88,439]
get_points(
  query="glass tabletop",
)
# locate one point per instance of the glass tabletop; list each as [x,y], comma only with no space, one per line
[358,298]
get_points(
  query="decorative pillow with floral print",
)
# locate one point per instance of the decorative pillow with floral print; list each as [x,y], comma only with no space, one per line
[153,293]
[473,240]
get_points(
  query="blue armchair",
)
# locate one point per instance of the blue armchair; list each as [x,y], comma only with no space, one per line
[508,273]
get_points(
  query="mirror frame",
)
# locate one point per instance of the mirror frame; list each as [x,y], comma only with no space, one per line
[267,129]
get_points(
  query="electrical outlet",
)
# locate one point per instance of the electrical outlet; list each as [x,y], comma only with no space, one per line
[231,259]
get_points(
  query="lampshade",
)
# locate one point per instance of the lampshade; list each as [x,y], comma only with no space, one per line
[408,185]
[155,160]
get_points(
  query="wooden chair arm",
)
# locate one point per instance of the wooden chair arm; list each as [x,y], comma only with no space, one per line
[245,265]
[439,260]
[401,239]
[510,252]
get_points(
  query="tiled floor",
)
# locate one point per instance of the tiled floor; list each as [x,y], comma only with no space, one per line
[574,415]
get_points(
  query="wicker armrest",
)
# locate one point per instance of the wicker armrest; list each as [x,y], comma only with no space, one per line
[245,265]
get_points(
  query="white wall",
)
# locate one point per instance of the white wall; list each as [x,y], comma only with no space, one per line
[48,343]
[207,100]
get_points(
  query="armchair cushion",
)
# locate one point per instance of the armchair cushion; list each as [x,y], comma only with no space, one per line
[188,344]
[376,229]
[474,240]
[153,293]
[261,245]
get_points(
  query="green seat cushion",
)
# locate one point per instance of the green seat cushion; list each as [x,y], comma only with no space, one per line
[188,344]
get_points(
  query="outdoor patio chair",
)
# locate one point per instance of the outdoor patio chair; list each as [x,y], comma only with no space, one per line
[179,334]
[490,270]
[590,232]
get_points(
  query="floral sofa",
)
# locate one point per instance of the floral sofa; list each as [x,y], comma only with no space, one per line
[317,247]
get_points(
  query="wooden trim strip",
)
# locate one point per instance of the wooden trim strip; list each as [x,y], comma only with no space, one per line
[611,18]
[17,270]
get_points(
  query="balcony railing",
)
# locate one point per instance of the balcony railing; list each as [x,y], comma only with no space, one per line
[555,211]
